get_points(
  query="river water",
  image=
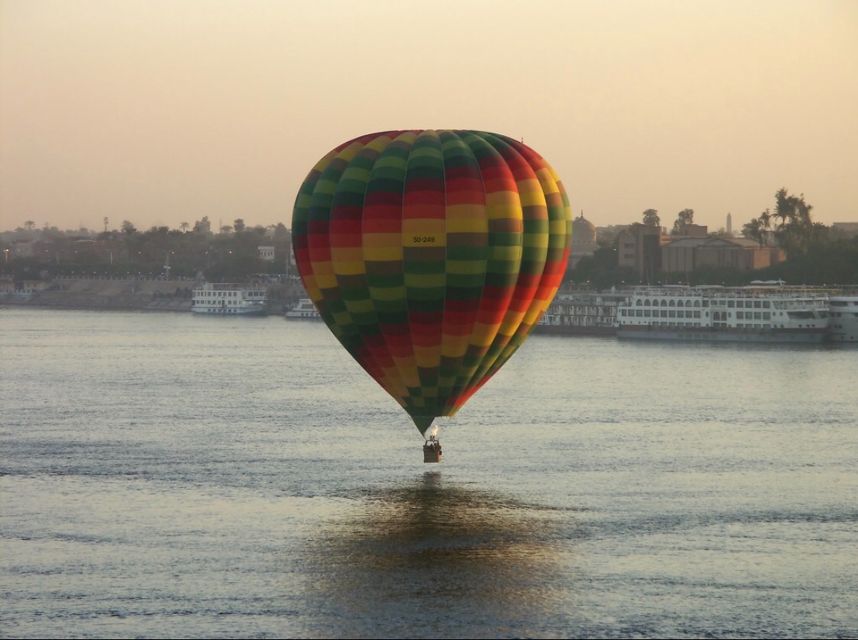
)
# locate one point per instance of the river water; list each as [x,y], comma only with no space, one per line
[165,475]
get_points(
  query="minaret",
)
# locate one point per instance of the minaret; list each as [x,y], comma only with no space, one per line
[729,224]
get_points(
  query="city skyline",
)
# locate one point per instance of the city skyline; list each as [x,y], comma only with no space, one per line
[162,113]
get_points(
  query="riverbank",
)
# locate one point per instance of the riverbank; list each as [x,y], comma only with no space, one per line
[129,294]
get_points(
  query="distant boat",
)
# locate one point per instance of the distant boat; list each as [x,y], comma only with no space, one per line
[224,299]
[772,314]
[843,319]
[304,310]
[582,313]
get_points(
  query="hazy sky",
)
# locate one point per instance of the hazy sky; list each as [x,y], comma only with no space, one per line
[163,111]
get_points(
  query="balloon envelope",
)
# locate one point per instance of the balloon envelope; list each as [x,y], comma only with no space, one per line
[431,255]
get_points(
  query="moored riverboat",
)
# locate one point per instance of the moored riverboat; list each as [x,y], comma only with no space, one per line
[224,299]
[843,319]
[304,310]
[583,313]
[765,314]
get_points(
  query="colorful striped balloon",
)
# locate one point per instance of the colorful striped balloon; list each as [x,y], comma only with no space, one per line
[431,255]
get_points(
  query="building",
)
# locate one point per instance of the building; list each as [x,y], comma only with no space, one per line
[694,231]
[686,254]
[639,248]
[679,255]
[583,240]
[266,253]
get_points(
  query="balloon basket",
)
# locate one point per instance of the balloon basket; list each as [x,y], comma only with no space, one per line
[432,450]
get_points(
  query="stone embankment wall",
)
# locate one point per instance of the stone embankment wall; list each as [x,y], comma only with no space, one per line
[138,294]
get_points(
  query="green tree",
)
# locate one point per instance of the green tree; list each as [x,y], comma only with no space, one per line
[651,219]
[683,219]
[203,225]
[794,228]
[281,232]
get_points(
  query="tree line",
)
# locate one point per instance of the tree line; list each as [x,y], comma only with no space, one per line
[231,254]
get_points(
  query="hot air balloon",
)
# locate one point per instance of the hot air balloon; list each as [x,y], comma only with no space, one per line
[430,255]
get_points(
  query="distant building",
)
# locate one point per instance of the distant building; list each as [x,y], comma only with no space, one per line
[607,235]
[685,254]
[23,248]
[266,253]
[639,248]
[583,239]
[694,231]
[678,256]
[729,227]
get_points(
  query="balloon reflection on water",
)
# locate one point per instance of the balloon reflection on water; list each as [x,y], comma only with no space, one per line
[423,560]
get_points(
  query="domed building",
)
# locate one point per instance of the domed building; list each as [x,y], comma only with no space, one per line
[583,239]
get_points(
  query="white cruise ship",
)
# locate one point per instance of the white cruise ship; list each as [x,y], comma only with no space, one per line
[304,310]
[581,313]
[229,299]
[843,319]
[774,314]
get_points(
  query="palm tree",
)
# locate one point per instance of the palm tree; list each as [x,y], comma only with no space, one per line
[795,226]
[784,208]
